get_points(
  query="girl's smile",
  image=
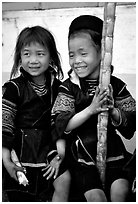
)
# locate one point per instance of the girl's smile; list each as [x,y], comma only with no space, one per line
[35,60]
[81,70]
[83,56]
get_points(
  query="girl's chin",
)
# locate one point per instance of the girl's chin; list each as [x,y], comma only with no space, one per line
[82,75]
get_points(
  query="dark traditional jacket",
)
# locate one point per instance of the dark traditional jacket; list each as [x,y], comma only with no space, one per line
[75,95]
[26,119]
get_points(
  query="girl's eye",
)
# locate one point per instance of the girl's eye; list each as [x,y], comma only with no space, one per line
[71,56]
[84,54]
[41,54]
[26,54]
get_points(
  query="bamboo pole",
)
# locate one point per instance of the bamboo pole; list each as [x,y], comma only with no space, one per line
[104,80]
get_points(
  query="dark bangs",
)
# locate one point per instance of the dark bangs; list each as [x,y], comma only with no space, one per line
[36,34]
[32,35]
[95,37]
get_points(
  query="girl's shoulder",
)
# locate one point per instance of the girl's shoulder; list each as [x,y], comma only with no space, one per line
[68,84]
[117,80]
[119,86]
[56,82]
[13,86]
[72,81]
[15,81]
[72,90]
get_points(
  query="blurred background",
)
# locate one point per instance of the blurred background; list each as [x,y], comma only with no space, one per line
[57,16]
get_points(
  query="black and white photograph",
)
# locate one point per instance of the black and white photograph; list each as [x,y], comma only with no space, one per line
[68,101]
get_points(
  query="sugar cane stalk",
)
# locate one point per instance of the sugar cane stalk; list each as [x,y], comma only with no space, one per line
[20,175]
[104,80]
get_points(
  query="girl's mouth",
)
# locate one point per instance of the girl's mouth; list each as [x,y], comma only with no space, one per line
[34,68]
[80,68]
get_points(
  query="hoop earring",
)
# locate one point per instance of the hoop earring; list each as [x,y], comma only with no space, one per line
[53,66]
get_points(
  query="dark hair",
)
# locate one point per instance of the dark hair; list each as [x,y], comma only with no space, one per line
[87,24]
[95,37]
[43,37]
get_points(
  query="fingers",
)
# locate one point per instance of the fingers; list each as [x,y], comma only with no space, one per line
[44,169]
[102,92]
[17,168]
[13,169]
[103,96]
[51,173]
[103,99]
[56,173]
[100,89]
[110,88]
[100,95]
[48,171]
[103,109]
[97,90]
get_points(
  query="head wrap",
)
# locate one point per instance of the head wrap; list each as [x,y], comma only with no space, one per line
[86,22]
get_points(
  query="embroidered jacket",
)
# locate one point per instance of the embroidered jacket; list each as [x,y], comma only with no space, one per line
[75,95]
[26,125]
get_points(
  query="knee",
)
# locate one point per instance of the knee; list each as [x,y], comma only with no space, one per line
[119,190]
[66,178]
[63,181]
[95,195]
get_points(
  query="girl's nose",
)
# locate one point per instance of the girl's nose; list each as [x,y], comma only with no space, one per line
[78,60]
[33,59]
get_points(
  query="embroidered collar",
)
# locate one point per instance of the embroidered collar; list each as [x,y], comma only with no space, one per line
[27,76]
[76,80]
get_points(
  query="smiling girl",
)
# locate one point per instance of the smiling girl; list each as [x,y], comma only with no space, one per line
[75,112]
[26,120]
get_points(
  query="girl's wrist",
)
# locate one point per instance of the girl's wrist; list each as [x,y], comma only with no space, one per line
[52,155]
[90,111]
[60,157]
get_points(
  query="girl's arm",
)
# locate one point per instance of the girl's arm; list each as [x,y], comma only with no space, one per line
[9,111]
[94,108]
[123,114]
[79,118]
[6,155]
[113,111]
[52,169]
[61,146]
[8,164]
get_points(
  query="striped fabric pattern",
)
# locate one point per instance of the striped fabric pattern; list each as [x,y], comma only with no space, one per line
[9,110]
[92,85]
[39,89]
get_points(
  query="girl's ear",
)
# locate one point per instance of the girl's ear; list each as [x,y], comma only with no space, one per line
[20,62]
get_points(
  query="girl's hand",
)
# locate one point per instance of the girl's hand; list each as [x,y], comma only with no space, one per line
[110,99]
[100,99]
[52,169]
[114,112]
[12,169]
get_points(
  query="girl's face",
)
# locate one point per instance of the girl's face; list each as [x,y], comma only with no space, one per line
[35,60]
[84,59]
